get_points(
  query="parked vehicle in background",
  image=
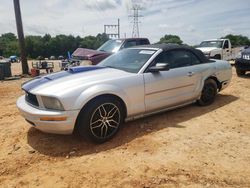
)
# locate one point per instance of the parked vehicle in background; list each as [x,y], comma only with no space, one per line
[13,59]
[60,57]
[242,63]
[52,57]
[93,57]
[132,83]
[219,49]
[1,57]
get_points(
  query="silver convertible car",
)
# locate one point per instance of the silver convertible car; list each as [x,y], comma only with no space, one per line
[133,83]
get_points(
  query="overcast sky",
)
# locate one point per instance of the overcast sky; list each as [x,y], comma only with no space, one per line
[192,20]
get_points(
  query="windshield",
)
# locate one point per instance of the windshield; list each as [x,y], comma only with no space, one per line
[130,60]
[111,46]
[214,43]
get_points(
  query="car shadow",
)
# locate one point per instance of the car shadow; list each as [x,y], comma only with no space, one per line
[62,145]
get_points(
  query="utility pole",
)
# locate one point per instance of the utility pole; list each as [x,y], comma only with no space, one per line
[20,35]
[136,8]
[115,34]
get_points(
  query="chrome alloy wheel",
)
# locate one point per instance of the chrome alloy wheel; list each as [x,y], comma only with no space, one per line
[105,120]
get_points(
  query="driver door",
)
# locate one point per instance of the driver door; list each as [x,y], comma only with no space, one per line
[172,87]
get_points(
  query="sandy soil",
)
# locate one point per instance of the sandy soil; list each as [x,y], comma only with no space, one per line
[188,147]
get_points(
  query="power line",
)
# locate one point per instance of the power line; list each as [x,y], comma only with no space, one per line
[115,34]
[136,16]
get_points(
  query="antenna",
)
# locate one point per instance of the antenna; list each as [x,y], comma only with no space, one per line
[136,8]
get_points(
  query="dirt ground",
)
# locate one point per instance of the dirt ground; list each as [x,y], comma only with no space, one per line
[188,147]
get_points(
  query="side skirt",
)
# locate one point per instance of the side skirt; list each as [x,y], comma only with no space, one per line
[158,111]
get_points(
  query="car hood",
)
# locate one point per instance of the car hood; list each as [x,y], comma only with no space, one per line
[207,49]
[83,53]
[246,51]
[77,79]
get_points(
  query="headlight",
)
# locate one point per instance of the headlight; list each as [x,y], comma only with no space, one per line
[52,103]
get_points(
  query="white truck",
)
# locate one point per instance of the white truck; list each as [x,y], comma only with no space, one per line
[219,49]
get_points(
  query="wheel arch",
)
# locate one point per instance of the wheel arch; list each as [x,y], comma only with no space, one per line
[217,56]
[219,85]
[111,95]
[85,106]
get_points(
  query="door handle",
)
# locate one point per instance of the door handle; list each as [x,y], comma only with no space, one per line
[190,74]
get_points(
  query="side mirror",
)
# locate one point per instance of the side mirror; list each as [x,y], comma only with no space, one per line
[159,67]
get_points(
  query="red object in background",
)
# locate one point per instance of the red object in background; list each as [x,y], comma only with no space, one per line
[35,72]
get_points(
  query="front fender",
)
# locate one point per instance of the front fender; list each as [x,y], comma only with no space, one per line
[215,52]
[98,90]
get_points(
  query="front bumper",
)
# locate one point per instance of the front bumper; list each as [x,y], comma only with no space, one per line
[242,64]
[33,115]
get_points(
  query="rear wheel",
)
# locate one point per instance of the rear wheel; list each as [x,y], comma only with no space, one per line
[240,72]
[208,93]
[101,119]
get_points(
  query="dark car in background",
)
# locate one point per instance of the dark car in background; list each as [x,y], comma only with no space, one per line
[93,57]
[242,64]
[13,59]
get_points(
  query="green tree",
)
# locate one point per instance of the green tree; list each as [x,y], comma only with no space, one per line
[88,42]
[47,45]
[100,39]
[34,46]
[238,40]
[170,39]
[93,42]
[8,45]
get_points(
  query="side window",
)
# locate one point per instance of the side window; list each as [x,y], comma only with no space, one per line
[194,59]
[129,44]
[177,58]
[142,42]
[226,44]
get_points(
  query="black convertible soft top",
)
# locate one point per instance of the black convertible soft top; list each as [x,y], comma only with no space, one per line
[166,47]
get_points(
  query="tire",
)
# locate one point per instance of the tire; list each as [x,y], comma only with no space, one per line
[101,119]
[217,56]
[208,93]
[240,72]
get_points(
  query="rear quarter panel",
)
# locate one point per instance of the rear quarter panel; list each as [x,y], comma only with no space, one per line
[219,69]
[223,70]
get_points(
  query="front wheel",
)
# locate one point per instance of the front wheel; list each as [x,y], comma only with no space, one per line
[208,93]
[101,119]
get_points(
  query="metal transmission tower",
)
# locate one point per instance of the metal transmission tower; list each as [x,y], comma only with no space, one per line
[136,8]
[115,34]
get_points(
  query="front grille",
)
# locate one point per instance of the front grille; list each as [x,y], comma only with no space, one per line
[246,56]
[30,98]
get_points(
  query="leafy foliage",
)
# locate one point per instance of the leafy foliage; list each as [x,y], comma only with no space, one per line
[238,40]
[8,44]
[171,39]
[47,45]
